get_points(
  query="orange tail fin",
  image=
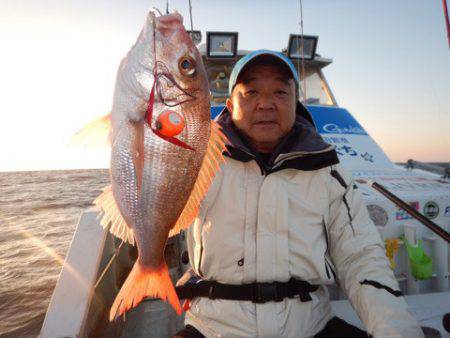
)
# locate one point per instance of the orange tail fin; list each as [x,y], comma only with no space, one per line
[143,282]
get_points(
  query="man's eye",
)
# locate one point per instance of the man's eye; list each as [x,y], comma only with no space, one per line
[250,92]
[281,92]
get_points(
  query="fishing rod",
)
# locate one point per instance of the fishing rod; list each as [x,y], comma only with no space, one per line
[410,210]
[447,22]
[190,15]
[302,75]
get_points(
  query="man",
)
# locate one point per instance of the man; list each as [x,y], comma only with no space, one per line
[281,221]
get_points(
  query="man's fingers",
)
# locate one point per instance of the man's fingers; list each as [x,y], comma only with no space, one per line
[186,305]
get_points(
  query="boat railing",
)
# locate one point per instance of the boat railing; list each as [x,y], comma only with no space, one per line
[413,164]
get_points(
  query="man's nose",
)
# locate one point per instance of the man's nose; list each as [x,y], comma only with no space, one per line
[265,102]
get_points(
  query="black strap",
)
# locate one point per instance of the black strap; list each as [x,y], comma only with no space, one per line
[189,332]
[396,293]
[255,292]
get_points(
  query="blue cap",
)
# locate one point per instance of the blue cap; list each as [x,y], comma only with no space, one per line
[240,65]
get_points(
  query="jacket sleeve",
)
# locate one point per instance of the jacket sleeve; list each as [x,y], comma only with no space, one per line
[362,267]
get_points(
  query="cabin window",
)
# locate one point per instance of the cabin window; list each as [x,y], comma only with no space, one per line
[317,91]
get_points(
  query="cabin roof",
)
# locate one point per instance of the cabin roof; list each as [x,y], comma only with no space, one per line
[318,60]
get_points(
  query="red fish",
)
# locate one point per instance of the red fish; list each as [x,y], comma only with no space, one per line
[158,178]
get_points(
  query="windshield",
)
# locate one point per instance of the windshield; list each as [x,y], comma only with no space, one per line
[317,91]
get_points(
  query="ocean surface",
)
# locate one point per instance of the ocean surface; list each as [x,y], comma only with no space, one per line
[39,211]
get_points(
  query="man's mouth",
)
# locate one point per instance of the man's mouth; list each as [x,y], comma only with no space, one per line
[265,123]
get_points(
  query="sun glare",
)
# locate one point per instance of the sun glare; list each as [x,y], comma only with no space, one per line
[55,78]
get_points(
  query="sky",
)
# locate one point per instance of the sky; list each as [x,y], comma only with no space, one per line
[58,61]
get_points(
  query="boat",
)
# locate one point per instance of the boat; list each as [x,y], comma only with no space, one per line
[97,263]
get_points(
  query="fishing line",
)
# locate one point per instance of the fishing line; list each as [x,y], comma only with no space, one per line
[190,14]
[111,260]
[154,9]
[302,51]
[156,87]
[169,79]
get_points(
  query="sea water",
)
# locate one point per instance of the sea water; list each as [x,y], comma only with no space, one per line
[39,211]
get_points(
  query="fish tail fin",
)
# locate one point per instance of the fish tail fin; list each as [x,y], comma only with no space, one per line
[144,282]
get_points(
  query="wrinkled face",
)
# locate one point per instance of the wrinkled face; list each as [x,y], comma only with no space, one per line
[262,106]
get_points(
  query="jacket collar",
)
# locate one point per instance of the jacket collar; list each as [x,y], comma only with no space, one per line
[302,148]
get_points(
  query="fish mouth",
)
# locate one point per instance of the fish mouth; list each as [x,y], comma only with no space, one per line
[169,92]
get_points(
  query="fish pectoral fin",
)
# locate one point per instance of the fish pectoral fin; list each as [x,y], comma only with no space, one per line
[210,165]
[95,134]
[111,214]
[144,282]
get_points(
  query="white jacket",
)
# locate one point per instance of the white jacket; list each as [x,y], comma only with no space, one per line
[304,217]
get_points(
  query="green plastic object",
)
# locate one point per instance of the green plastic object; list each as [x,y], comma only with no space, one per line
[421,264]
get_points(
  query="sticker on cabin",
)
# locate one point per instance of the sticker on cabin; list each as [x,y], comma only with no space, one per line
[335,120]
[347,150]
[378,215]
[447,211]
[343,148]
[333,128]
[336,140]
[431,209]
[367,157]
[401,214]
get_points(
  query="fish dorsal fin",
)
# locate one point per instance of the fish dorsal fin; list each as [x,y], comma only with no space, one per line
[111,214]
[96,133]
[210,165]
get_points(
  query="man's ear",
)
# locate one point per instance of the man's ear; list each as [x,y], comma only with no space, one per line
[229,104]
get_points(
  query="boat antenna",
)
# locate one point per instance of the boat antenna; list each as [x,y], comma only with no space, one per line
[302,51]
[190,14]
[167,6]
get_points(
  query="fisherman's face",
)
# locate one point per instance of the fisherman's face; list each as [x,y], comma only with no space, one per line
[262,106]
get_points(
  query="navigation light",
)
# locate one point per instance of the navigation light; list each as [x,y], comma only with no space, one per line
[295,50]
[221,44]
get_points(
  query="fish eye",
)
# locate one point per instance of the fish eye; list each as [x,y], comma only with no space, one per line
[186,65]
